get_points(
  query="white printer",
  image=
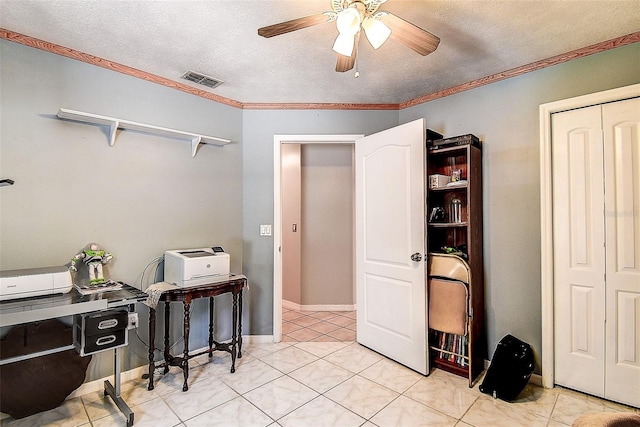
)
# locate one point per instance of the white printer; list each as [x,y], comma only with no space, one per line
[190,267]
[34,282]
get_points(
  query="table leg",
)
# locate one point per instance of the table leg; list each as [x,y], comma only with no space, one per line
[114,392]
[240,324]
[185,356]
[167,353]
[152,345]
[116,371]
[234,336]
[211,306]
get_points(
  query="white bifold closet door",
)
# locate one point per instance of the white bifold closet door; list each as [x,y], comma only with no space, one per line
[621,127]
[596,227]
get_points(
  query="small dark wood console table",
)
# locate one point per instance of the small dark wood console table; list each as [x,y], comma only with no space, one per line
[234,285]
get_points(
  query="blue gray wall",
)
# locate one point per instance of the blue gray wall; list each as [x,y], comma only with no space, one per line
[146,194]
[259,127]
[505,116]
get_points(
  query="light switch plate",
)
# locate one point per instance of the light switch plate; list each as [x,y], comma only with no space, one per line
[265,230]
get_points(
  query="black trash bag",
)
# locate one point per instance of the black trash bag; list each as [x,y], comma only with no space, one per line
[510,369]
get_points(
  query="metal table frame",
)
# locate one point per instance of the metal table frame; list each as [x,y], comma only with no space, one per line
[27,310]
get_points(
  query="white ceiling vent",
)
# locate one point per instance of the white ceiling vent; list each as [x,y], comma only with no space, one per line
[202,79]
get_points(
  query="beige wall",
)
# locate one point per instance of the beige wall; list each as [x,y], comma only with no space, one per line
[291,212]
[327,233]
[317,196]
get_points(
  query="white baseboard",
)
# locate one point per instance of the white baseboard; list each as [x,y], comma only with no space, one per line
[257,339]
[318,307]
[535,379]
[290,305]
[136,373]
[98,385]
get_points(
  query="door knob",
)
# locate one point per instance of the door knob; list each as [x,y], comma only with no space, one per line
[416,257]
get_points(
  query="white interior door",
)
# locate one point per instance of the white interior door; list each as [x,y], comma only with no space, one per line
[390,228]
[621,126]
[578,248]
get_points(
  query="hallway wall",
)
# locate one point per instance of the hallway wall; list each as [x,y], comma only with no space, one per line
[327,269]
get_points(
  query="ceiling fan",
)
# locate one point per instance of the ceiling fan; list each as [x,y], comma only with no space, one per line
[353,15]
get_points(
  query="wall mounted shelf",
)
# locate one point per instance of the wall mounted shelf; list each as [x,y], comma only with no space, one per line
[115,124]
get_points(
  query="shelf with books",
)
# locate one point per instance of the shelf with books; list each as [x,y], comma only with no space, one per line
[454,226]
[450,347]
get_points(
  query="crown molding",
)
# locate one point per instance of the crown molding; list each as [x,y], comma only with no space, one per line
[318,106]
[524,69]
[114,66]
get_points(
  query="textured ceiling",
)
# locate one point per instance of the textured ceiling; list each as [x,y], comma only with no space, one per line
[219,38]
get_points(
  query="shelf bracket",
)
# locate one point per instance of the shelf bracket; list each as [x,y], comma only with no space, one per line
[113,128]
[195,142]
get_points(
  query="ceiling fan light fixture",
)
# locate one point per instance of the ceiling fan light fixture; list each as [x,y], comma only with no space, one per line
[348,21]
[352,16]
[377,32]
[344,44]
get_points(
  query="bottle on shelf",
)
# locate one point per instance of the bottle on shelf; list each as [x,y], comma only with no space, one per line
[455,210]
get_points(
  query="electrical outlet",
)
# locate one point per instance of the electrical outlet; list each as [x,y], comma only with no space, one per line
[133,321]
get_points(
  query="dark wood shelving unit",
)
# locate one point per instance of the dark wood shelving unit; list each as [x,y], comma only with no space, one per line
[465,235]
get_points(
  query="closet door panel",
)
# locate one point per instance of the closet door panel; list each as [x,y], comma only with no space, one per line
[621,129]
[578,246]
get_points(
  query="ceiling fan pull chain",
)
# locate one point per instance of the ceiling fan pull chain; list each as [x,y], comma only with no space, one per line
[357,73]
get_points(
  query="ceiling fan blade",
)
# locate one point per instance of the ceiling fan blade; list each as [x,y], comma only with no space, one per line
[414,37]
[345,63]
[293,25]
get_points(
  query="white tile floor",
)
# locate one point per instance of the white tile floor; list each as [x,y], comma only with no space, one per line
[312,326]
[317,384]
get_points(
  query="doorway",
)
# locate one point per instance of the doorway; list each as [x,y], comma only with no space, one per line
[279,228]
